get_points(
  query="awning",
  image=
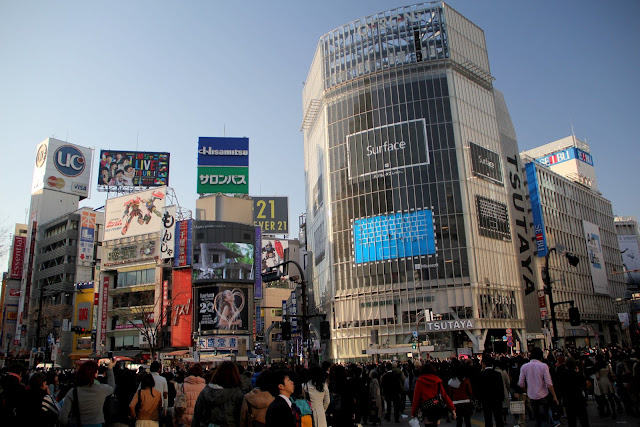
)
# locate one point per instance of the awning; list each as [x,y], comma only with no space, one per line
[128,353]
[80,354]
[177,353]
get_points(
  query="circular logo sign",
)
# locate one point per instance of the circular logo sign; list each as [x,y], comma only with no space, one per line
[56,182]
[41,155]
[69,160]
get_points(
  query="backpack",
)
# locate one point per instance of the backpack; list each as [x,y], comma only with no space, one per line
[111,408]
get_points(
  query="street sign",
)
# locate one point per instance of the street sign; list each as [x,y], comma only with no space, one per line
[510,343]
[509,331]
[415,334]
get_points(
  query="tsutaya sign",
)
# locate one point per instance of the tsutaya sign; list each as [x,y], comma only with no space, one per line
[450,325]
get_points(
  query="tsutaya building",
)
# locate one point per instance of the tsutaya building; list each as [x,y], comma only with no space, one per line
[417,225]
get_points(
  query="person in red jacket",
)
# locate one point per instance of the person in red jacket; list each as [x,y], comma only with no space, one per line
[461,393]
[428,386]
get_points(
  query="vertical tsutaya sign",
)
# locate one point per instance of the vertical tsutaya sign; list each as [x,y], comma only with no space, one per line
[105,300]
[485,163]
[17,258]
[168,232]
[536,210]
[223,165]
[271,214]
[87,236]
[596,258]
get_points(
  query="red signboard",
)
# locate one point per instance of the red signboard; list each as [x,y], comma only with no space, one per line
[181,313]
[183,242]
[17,260]
[105,300]
[14,292]
[165,301]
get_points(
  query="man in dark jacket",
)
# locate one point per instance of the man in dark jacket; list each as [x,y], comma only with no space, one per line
[13,397]
[492,393]
[282,412]
[392,388]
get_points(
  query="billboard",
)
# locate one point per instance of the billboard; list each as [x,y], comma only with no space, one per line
[64,167]
[167,245]
[399,235]
[87,236]
[570,153]
[223,308]
[134,214]
[493,219]
[223,252]
[17,257]
[218,343]
[596,258]
[182,310]
[183,243]
[223,165]
[271,214]
[536,210]
[387,150]
[272,254]
[125,169]
[486,163]
[630,258]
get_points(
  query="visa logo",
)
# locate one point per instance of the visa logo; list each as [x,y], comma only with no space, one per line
[79,187]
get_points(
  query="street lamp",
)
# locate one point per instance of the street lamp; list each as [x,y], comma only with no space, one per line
[573,260]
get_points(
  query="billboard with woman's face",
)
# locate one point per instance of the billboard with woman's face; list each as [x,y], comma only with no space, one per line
[223,308]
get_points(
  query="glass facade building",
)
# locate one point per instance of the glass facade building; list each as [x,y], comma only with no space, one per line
[409,207]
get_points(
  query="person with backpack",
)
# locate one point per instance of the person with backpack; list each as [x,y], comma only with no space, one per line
[253,411]
[85,402]
[191,387]
[146,405]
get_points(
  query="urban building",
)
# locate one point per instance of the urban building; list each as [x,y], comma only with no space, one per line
[570,214]
[410,222]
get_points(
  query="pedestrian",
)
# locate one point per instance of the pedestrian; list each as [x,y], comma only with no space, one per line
[146,405]
[317,392]
[282,412]
[12,397]
[461,394]
[491,392]
[429,386]
[606,379]
[375,399]
[160,385]
[536,380]
[220,401]
[192,386]
[574,394]
[255,403]
[41,407]
[392,387]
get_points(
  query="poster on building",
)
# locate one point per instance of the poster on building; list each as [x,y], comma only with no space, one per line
[87,236]
[630,258]
[64,167]
[223,308]
[387,150]
[493,219]
[17,257]
[272,253]
[485,163]
[393,236]
[128,169]
[596,258]
[271,214]
[536,211]
[167,245]
[134,214]
[223,165]
[182,308]
[183,243]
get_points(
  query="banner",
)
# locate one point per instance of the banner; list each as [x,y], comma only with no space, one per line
[167,246]
[183,243]
[223,165]
[134,214]
[182,310]
[536,210]
[596,258]
[17,258]
[630,258]
[87,236]
[127,169]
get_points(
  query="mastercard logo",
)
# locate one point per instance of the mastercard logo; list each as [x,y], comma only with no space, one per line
[55,182]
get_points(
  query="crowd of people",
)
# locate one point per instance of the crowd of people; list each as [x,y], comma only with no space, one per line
[329,394]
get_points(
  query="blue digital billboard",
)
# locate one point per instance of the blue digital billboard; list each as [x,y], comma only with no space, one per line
[536,210]
[398,235]
[566,155]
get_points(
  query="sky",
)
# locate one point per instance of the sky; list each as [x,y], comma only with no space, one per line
[156,75]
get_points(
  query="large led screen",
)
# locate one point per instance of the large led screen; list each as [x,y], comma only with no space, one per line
[122,169]
[399,235]
[387,150]
[223,308]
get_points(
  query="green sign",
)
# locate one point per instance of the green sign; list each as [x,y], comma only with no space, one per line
[223,179]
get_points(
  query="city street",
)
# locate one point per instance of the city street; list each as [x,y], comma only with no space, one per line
[477,419]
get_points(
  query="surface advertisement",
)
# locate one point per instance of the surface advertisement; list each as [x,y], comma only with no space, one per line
[87,236]
[566,155]
[135,214]
[183,243]
[127,169]
[64,167]
[218,343]
[393,236]
[630,258]
[387,150]
[17,257]
[182,310]
[536,211]
[257,286]
[486,163]
[271,214]
[223,308]
[167,245]
[272,254]
[223,165]
[596,258]
[493,219]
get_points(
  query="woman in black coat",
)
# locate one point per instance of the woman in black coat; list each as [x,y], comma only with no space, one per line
[574,394]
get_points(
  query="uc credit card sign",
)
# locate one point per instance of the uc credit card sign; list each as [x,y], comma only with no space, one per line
[223,165]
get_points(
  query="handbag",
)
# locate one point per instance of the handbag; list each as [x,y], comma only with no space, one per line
[180,404]
[432,409]
[111,408]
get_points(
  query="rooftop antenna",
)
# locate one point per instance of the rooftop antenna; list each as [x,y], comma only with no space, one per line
[573,134]
[26,214]
[137,139]
[224,129]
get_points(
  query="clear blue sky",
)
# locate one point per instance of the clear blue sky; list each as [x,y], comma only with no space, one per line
[156,75]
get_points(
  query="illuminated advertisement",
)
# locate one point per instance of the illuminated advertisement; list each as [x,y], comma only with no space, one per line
[17,258]
[566,155]
[183,242]
[223,165]
[182,308]
[485,163]
[596,258]
[399,235]
[223,252]
[536,210]
[63,167]
[630,258]
[134,214]
[223,308]
[125,169]
[271,214]
[493,219]
[272,254]
[87,236]
[387,150]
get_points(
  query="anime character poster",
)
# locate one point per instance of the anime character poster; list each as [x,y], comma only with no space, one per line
[135,214]
[119,169]
[273,253]
[223,308]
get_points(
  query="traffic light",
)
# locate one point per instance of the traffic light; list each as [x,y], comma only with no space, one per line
[574,316]
[414,345]
[325,330]
[573,259]
[286,331]
[271,276]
